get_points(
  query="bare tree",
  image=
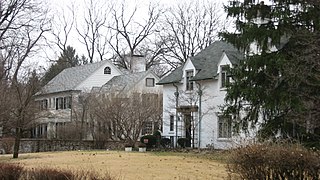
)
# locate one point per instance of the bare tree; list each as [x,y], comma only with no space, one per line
[189,28]
[23,23]
[93,33]
[123,118]
[130,33]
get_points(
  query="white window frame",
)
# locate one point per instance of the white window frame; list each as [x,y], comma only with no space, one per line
[189,84]
[224,127]
[224,76]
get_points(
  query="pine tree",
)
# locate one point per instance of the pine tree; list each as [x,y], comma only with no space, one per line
[67,59]
[281,87]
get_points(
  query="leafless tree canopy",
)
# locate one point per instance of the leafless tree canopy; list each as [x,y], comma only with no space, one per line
[22,26]
[123,118]
[164,35]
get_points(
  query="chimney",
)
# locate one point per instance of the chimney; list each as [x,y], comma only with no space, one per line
[137,63]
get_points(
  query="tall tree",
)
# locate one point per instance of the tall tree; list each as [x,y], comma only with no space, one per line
[68,58]
[129,34]
[278,82]
[22,26]
[187,28]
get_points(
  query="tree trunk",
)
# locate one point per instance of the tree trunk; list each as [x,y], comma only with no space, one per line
[17,143]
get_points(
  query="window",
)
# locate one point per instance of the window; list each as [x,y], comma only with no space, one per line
[43,104]
[63,103]
[224,123]
[147,128]
[171,122]
[225,78]
[107,70]
[189,84]
[150,82]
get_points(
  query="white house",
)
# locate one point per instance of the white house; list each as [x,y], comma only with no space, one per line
[192,95]
[61,95]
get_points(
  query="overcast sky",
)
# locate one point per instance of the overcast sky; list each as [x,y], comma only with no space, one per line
[60,6]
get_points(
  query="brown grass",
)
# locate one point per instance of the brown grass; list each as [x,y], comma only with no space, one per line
[127,165]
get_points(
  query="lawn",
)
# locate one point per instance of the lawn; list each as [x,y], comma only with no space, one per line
[128,165]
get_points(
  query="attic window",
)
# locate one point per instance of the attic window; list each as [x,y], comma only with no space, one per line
[225,77]
[107,70]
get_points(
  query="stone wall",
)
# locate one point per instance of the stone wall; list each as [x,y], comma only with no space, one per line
[44,145]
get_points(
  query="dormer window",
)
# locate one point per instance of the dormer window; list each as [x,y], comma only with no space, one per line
[224,75]
[189,84]
[107,70]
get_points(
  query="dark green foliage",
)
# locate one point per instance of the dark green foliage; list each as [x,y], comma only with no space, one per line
[158,137]
[149,140]
[183,142]
[10,171]
[67,59]
[165,142]
[272,161]
[279,87]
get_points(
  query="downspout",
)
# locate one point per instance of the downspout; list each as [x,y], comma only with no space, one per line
[176,94]
[200,112]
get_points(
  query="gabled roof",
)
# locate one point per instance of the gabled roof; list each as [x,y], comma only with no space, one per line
[206,62]
[70,78]
[124,83]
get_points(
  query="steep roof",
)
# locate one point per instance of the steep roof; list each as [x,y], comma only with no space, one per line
[123,83]
[206,62]
[70,78]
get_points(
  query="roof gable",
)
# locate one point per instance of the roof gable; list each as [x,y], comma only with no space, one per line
[206,62]
[126,82]
[70,78]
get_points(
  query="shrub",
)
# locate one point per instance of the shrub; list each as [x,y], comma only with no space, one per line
[149,140]
[183,142]
[10,171]
[49,174]
[165,142]
[274,161]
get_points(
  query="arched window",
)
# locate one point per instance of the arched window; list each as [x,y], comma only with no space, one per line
[107,70]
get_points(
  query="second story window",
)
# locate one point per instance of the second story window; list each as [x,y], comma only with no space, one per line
[150,82]
[107,70]
[224,74]
[63,103]
[189,84]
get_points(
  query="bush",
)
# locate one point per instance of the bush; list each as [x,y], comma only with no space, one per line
[10,171]
[165,142]
[149,140]
[183,142]
[49,174]
[274,161]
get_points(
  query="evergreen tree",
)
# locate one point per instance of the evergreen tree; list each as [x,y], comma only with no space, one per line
[280,87]
[67,59]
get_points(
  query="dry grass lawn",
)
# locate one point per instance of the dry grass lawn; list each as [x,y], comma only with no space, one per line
[127,165]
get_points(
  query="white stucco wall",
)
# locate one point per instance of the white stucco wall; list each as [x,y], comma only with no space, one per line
[212,97]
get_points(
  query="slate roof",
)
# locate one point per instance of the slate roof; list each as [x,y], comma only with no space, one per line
[206,62]
[70,78]
[123,83]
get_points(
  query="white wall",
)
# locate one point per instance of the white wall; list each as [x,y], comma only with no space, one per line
[98,78]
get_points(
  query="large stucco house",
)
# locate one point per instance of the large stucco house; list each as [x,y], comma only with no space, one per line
[59,99]
[192,95]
